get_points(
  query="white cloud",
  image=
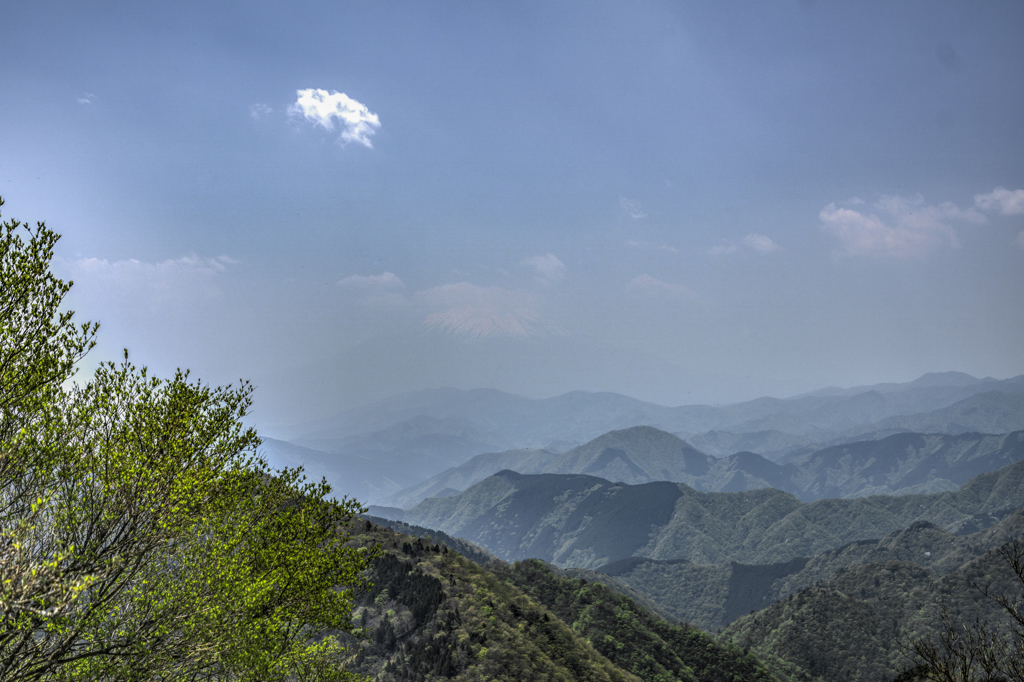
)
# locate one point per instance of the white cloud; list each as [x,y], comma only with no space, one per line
[169,283]
[756,242]
[87,98]
[547,268]
[322,108]
[475,312]
[646,285]
[385,280]
[1008,202]
[258,110]
[651,245]
[759,243]
[906,228]
[632,208]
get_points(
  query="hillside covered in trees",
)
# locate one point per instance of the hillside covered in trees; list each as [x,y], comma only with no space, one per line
[432,614]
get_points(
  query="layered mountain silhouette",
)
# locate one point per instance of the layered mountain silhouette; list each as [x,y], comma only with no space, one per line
[511,421]
[585,521]
[397,451]
[898,464]
[713,595]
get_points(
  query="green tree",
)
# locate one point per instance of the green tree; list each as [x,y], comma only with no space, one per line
[141,537]
[979,651]
[39,346]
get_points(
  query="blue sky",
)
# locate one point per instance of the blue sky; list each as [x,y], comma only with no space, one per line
[767,198]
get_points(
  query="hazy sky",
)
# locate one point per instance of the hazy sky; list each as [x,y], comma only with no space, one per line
[773,196]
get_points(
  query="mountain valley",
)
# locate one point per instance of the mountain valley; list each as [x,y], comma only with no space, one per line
[818,533]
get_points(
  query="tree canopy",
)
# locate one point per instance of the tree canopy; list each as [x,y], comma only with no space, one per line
[980,651]
[141,534]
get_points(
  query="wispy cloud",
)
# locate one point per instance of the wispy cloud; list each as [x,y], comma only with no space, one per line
[632,208]
[547,268]
[1007,202]
[87,98]
[651,245]
[753,241]
[322,108]
[258,111]
[385,280]
[648,286]
[759,243]
[901,227]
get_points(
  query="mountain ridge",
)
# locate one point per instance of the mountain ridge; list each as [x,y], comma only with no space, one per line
[900,463]
[574,520]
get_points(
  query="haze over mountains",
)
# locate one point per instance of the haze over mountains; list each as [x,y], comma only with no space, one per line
[899,464]
[844,511]
[383,453]
[543,362]
[584,521]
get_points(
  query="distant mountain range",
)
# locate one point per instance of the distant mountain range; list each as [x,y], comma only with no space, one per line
[898,464]
[585,521]
[391,451]
[407,361]
[816,530]
[838,613]
[510,421]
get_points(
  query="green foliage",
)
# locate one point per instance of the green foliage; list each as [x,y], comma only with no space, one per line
[978,651]
[851,626]
[447,618]
[39,344]
[471,551]
[712,596]
[140,535]
[631,636]
[433,614]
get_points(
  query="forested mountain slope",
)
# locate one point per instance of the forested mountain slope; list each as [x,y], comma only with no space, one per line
[850,626]
[636,455]
[432,614]
[713,595]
